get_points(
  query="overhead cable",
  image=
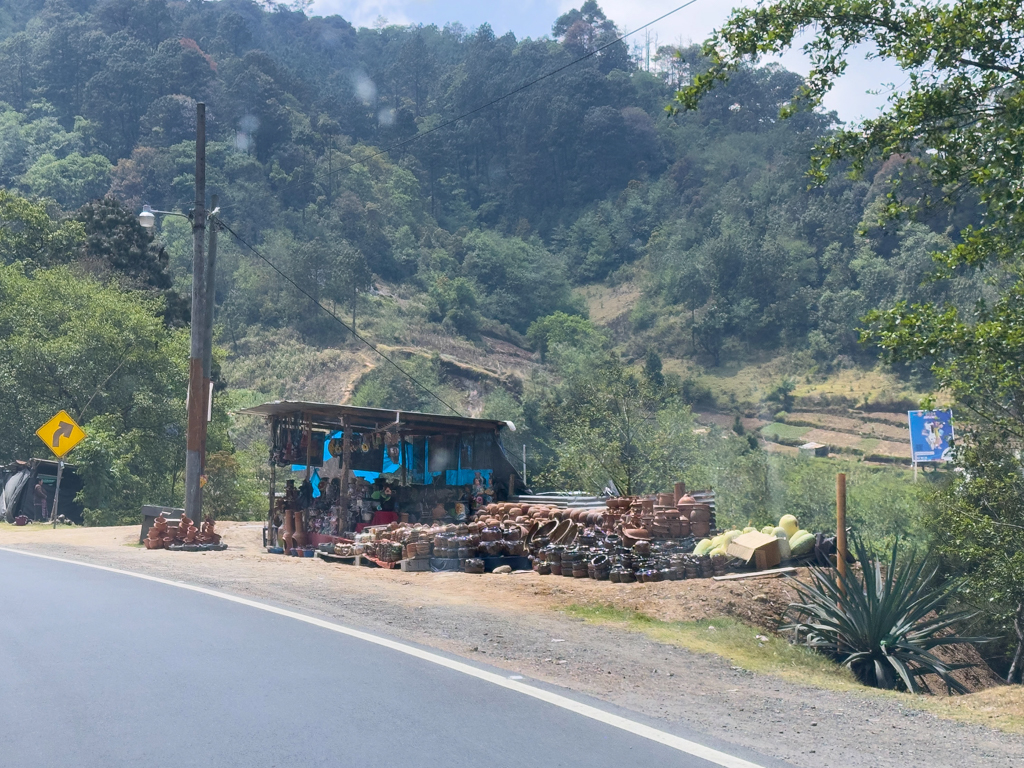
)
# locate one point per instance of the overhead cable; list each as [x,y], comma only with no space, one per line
[470,113]
[343,324]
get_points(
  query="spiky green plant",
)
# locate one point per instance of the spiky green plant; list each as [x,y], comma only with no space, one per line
[883,628]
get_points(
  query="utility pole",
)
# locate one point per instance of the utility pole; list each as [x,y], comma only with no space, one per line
[211,293]
[196,384]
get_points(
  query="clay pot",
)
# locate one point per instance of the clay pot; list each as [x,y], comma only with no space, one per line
[637,533]
[679,491]
[666,500]
[570,534]
[544,530]
[529,530]
[700,529]
[559,531]
[700,513]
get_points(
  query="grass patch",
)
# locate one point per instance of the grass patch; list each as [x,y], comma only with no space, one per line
[743,645]
[868,445]
[32,526]
[784,431]
[1001,708]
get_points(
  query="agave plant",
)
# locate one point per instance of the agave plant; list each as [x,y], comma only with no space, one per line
[883,628]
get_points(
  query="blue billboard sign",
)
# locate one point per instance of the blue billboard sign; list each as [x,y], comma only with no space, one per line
[930,433]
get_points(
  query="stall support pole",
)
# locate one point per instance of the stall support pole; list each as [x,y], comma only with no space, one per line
[346,462]
[304,514]
[401,455]
[841,545]
[271,533]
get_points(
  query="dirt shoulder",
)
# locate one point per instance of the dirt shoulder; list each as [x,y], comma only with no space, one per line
[519,623]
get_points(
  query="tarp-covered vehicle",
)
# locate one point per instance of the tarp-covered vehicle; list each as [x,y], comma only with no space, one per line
[17,490]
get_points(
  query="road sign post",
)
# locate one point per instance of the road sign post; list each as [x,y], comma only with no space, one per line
[56,493]
[61,434]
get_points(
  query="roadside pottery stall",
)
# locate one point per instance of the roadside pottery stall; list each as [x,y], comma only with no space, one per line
[351,472]
[664,538]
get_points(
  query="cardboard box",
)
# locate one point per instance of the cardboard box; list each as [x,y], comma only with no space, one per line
[761,548]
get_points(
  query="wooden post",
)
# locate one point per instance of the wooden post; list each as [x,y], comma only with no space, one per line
[309,446]
[841,523]
[271,533]
[401,457]
[346,450]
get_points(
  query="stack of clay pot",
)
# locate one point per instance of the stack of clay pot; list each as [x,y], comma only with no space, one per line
[208,535]
[697,515]
[155,537]
[163,535]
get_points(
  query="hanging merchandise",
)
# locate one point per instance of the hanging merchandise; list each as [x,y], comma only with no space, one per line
[394,449]
[336,446]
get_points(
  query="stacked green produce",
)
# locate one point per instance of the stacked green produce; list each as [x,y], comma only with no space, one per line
[793,541]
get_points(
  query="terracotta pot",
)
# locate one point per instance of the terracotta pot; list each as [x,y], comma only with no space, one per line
[700,529]
[545,529]
[701,513]
[529,530]
[559,531]
[666,500]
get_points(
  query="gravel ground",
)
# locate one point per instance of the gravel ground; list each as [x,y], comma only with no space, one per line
[508,622]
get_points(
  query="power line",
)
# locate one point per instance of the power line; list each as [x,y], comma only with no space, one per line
[343,324]
[405,143]
[463,116]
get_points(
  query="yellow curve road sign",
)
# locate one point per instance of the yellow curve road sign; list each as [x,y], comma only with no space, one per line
[61,434]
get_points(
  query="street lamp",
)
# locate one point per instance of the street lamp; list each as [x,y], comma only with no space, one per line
[148,220]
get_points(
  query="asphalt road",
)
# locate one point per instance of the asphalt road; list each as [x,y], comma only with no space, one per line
[103,669]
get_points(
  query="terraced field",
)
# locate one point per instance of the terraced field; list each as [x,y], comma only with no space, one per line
[875,436]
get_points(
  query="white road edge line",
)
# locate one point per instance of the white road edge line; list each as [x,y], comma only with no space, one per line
[639,729]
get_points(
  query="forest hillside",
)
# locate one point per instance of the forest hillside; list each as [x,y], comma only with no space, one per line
[555,257]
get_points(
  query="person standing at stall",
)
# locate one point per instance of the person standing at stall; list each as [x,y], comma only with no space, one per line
[40,498]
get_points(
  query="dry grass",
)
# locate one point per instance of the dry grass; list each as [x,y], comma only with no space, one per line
[608,304]
[1001,708]
[744,645]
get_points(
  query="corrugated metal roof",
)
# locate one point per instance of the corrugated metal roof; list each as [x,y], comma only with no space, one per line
[331,414]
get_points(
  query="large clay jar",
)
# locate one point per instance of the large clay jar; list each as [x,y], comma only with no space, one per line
[300,531]
[288,531]
[680,491]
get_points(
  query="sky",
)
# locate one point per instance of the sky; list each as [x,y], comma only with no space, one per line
[860,92]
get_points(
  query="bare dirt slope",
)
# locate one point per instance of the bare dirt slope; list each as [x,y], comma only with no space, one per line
[509,622]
